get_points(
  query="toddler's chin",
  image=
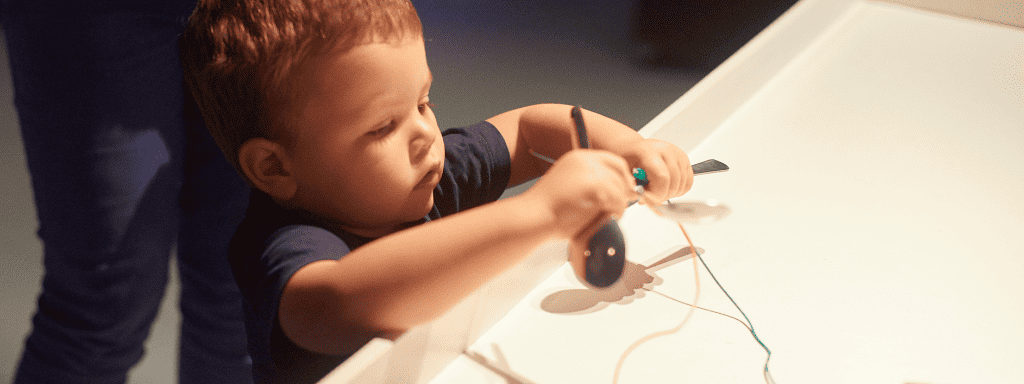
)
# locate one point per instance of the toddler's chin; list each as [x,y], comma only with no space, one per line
[418,206]
[428,206]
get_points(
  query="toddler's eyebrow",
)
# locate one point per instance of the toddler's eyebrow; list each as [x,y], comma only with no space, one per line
[430,79]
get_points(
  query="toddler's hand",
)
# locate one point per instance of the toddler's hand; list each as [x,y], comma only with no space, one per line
[585,185]
[667,167]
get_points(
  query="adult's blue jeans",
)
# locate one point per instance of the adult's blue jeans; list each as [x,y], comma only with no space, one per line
[122,170]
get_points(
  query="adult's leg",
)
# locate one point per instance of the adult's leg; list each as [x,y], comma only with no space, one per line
[101,122]
[213,200]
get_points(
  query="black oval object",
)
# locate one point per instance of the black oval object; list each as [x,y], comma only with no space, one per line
[607,255]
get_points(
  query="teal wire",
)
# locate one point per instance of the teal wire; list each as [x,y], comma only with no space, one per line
[741,313]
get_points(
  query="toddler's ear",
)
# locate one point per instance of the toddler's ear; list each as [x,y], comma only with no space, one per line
[266,165]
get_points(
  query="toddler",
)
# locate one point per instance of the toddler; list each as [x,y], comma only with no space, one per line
[366,219]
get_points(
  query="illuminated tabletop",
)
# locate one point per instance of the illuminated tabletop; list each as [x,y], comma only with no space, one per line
[871,225]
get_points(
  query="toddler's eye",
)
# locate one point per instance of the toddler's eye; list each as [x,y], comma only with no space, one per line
[383,131]
[423,107]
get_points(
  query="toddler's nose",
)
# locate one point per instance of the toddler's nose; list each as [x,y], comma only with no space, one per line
[422,141]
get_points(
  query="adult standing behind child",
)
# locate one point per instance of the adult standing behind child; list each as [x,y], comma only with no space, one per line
[122,170]
[365,219]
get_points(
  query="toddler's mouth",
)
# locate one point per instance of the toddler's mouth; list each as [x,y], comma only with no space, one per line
[429,180]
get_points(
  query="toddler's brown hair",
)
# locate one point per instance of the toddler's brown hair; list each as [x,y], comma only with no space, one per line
[239,56]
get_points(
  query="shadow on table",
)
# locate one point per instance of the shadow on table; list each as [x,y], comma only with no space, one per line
[636,279]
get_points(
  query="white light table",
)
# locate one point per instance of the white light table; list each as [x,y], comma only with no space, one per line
[870,226]
[874,227]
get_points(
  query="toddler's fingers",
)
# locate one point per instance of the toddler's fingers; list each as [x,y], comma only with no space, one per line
[627,189]
[686,174]
[681,172]
[621,167]
[678,171]
[660,177]
[611,199]
[678,177]
[619,164]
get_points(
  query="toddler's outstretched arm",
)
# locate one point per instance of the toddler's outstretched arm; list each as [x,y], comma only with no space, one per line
[417,274]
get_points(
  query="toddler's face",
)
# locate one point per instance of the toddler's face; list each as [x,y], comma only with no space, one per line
[368,152]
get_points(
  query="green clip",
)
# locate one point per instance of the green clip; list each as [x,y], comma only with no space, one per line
[640,176]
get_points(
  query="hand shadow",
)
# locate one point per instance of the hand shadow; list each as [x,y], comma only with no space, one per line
[694,212]
[636,278]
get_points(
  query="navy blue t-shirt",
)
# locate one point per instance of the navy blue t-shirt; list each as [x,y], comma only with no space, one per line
[272,243]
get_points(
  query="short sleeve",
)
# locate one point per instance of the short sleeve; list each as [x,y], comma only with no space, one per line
[288,250]
[277,358]
[476,171]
